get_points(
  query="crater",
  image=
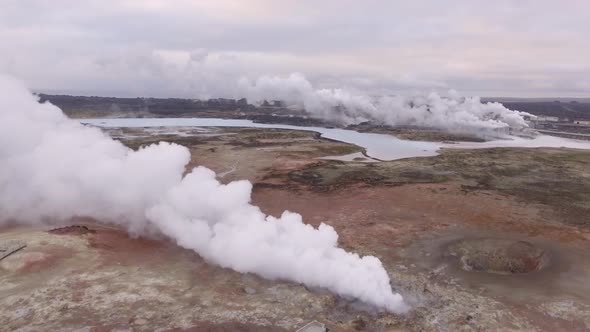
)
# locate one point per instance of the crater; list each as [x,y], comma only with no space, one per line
[498,256]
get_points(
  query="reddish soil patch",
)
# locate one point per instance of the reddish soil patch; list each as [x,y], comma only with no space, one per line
[38,261]
[388,217]
[119,240]
[117,246]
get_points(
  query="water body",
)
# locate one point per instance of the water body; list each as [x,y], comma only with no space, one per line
[378,146]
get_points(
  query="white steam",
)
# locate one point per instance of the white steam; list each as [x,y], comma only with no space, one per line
[452,113]
[53,168]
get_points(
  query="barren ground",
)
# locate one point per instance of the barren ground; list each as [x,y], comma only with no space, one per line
[410,213]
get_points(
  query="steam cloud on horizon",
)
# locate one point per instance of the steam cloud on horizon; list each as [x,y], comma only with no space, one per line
[452,113]
[53,168]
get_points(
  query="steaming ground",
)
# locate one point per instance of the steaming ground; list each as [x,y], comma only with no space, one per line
[52,169]
[452,113]
[102,279]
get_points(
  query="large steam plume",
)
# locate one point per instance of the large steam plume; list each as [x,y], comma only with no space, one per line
[53,168]
[452,113]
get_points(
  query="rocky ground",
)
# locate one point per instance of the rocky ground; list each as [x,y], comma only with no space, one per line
[476,240]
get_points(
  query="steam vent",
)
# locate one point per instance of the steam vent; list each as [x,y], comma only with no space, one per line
[499,256]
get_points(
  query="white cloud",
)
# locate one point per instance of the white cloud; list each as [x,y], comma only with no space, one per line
[53,168]
[481,47]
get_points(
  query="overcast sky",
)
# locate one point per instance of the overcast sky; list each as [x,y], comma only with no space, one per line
[201,48]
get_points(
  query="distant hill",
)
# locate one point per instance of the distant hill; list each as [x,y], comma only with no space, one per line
[572,109]
[113,107]
[85,107]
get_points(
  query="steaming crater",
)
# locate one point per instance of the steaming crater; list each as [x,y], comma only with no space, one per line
[54,168]
[498,256]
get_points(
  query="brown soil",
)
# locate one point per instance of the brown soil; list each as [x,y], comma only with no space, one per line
[72,230]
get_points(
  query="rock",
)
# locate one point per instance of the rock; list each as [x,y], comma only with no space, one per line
[72,230]
[140,321]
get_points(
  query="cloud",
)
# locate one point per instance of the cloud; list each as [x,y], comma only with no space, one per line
[451,112]
[479,47]
[199,55]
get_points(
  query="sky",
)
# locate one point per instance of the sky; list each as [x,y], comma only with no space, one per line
[202,48]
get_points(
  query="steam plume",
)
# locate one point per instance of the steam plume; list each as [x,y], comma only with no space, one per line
[452,113]
[53,168]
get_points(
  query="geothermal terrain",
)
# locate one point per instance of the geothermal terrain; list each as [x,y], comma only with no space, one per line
[474,239]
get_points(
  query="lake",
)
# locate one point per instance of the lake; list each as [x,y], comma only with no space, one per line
[378,146]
